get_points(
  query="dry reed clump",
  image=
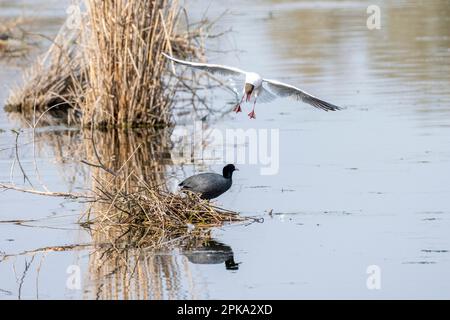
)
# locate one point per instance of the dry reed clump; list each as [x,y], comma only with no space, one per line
[108,70]
[123,64]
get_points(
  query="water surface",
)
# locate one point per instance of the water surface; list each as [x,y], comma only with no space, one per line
[364,186]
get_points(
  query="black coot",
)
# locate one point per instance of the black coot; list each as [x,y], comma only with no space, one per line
[210,185]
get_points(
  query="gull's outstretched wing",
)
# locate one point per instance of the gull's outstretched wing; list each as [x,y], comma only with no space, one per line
[265,95]
[285,90]
[212,68]
[236,84]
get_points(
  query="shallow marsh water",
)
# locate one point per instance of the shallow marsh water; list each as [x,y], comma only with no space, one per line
[365,186]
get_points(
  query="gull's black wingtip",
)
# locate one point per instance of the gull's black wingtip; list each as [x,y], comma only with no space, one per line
[329,107]
[326,106]
[336,108]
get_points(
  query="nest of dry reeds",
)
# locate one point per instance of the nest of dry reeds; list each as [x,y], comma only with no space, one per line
[107,70]
[133,204]
[144,216]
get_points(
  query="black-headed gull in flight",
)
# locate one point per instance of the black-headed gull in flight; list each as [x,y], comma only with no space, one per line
[254,87]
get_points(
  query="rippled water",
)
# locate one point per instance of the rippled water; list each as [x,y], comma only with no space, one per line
[364,186]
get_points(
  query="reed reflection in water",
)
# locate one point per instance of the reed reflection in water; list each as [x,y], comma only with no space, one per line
[118,267]
[143,274]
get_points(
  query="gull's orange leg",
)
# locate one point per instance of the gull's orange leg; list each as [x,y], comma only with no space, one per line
[252,113]
[237,108]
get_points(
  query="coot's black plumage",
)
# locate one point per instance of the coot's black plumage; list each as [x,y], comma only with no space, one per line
[210,185]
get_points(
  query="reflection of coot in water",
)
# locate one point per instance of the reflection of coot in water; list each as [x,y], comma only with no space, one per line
[212,252]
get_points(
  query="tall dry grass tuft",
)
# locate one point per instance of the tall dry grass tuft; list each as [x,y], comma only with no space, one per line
[124,69]
[106,69]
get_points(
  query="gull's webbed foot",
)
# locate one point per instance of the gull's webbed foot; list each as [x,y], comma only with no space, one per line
[237,108]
